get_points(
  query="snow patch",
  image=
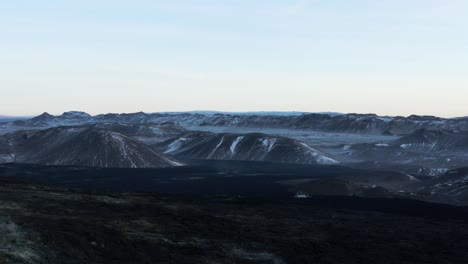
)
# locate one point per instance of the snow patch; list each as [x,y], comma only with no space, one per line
[412,178]
[381,145]
[234,144]
[319,158]
[176,145]
[216,148]
[268,143]
[301,195]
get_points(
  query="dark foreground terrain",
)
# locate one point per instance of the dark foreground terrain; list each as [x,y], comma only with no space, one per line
[40,224]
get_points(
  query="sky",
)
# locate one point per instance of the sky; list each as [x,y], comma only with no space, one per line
[390,57]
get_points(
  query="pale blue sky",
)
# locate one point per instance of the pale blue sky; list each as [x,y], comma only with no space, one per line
[390,57]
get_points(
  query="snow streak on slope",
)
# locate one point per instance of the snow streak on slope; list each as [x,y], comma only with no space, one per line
[257,147]
[216,148]
[319,157]
[234,144]
[268,143]
[84,146]
[175,145]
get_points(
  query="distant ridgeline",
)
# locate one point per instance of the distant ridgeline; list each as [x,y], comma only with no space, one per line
[327,122]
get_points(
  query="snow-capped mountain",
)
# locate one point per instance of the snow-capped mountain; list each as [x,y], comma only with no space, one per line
[81,146]
[255,147]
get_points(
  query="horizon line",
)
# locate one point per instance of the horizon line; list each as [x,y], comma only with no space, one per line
[265,112]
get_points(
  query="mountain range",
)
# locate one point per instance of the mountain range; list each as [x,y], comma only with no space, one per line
[423,151]
[415,144]
[327,122]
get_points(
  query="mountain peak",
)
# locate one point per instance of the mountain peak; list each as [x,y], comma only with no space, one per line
[75,114]
[43,116]
[90,147]
[141,113]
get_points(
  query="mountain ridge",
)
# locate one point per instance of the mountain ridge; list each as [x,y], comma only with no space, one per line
[327,122]
[252,146]
[81,146]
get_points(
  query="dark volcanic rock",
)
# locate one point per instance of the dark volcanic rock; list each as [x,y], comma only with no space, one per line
[44,225]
